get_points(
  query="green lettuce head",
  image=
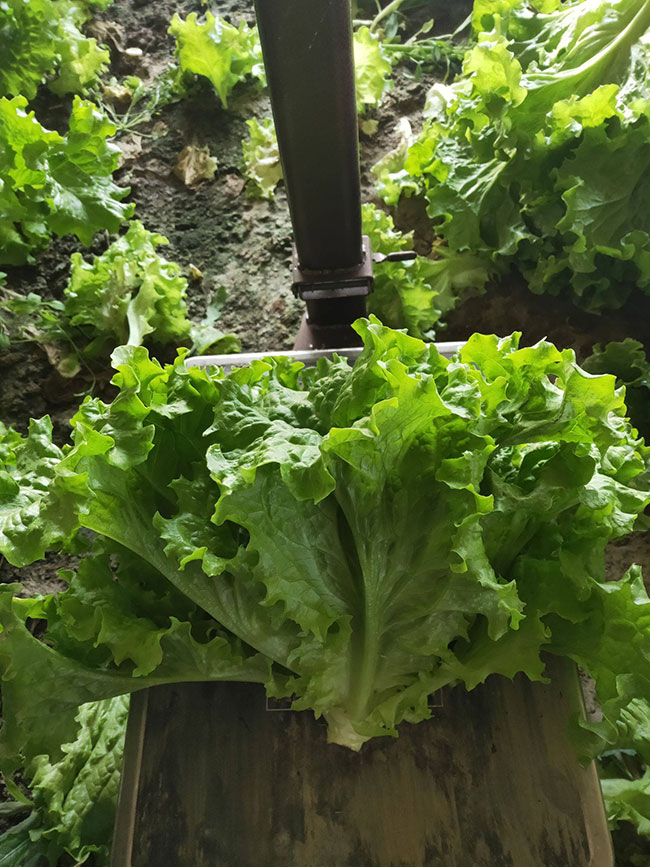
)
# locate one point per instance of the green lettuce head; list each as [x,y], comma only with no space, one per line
[353,537]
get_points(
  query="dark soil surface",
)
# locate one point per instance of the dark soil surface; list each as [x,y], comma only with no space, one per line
[244,244]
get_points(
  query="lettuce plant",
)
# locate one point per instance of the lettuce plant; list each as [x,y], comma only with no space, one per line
[54,184]
[352,537]
[130,294]
[217,50]
[41,40]
[537,155]
[417,294]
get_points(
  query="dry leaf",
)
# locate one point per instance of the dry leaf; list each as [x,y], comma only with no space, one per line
[118,96]
[108,32]
[195,165]
[368,127]
[60,357]
[159,129]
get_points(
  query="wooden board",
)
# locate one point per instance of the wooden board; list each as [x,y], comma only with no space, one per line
[214,779]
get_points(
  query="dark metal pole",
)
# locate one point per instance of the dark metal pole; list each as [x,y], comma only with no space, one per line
[307,47]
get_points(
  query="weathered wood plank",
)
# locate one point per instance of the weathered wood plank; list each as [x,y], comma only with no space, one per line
[490,782]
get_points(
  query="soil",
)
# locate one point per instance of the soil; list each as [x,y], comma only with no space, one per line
[244,244]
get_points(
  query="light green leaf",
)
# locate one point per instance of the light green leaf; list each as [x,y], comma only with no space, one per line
[130,292]
[628,801]
[76,797]
[217,50]
[38,499]
[43,38]
[261,158]
[417,294]
[372,68]
[53,184]
[627,361]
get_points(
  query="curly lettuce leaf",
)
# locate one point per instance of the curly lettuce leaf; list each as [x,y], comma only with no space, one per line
[604,217]
[372,68]
[55,185]
[217,50]
[568,50]
[130,292]
[38,499]
[626,360]
[28,35]
[393,180]
[261,158]
[628,801]
[417,294]
[75,798]
[41,40]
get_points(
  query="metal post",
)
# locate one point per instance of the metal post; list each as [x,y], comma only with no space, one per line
[307,47]
[308,55]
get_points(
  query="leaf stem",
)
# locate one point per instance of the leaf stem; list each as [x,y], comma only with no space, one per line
[384,13]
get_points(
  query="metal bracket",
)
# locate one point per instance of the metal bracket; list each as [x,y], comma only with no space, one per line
[336,283]
[396,256]
[342,282]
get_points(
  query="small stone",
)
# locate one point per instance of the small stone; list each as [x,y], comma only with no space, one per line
[233,185]
[159,129]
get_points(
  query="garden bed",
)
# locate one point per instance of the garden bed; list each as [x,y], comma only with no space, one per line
[223,238]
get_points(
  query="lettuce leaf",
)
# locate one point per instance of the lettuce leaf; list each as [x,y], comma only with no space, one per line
[261,158]
[372,69]
[217,50]
[628,801]
[55,185]
[41,40]
[31,522]
[129,292]
[626,360]
[74,798]
[352,537]
[417,294]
